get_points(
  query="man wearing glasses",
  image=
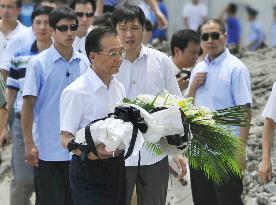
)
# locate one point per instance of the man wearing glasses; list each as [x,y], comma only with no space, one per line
[84,10]
[102,180]
[218,82]
[48,74]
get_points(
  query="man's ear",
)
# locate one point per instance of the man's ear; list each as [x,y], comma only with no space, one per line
[176,50]
[225,35]
[92,56]
[52,31]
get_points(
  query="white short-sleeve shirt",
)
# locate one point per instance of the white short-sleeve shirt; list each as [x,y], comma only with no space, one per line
[270,107]
[88,99]
[195,14]
[150,73]
[4,39]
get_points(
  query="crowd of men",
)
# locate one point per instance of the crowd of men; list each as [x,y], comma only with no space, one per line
[64,72]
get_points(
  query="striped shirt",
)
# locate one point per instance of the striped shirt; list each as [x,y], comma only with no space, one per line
[18,70]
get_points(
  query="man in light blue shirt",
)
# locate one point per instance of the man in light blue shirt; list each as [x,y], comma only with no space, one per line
[48,74]
[218,82]
[255,38]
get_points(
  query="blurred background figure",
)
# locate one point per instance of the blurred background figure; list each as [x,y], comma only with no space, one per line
[147,34]
[255,38]
[228,15]
[9,25]
[26,12]
[158,34]
[193,14]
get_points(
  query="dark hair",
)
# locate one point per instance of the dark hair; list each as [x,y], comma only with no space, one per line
[61,13]
[73,3]
[38,3]
[93,39]
[126,12]
[18,3]
[232,8]
[181,38]
[40,10]
[104,20]
[216,21]
[62,2]
[148,25]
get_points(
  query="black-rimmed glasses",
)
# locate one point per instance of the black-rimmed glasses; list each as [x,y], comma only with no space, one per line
[87,14]
[213,35]
[64,28]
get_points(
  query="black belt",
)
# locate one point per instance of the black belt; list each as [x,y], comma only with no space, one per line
[18,115]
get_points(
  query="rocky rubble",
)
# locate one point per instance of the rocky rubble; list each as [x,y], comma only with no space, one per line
[262,66]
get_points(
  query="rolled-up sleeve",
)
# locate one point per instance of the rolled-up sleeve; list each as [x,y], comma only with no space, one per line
[270,107]
[241,86]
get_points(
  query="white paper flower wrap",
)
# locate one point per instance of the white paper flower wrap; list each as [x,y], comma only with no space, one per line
[116,134]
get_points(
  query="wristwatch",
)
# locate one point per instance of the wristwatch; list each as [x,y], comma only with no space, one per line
[72,145]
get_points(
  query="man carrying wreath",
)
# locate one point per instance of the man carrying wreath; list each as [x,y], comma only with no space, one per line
[100,178]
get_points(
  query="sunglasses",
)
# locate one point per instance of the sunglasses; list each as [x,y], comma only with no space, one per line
[87,14]
[64,28]
[213,35]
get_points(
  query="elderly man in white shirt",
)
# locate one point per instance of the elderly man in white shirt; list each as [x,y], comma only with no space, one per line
[91,97]
[144,71]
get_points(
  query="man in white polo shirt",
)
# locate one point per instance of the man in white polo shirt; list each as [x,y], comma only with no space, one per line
[144,71]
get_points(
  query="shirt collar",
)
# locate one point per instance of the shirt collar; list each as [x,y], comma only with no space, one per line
[95,82]
[144,52]
[55,55]
[219,59]
[34,48]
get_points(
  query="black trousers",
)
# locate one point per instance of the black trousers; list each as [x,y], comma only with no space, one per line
[52,186]
[98,182]
[207,193]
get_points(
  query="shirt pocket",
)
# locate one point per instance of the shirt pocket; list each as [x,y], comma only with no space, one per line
[221,90]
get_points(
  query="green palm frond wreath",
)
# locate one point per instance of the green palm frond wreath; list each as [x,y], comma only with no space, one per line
[214,149]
